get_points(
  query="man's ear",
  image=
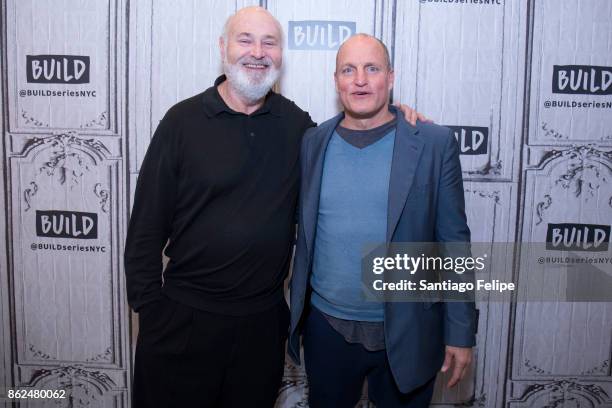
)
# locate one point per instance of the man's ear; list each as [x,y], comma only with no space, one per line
[391,79]
[336,81]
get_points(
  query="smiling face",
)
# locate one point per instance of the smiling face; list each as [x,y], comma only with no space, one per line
[251,51]
[363,77]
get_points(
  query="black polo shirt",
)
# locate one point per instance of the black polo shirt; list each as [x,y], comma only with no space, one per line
[222,187]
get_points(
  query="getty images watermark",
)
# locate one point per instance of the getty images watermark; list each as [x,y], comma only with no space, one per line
[432,264]
[502,272]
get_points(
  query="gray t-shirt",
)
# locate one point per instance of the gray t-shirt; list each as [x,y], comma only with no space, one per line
[364,138]
[371,335]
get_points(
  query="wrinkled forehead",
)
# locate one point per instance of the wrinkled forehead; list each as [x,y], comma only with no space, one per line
[361,51]
[257,23]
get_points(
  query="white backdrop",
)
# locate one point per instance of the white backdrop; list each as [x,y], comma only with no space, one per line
[526,85]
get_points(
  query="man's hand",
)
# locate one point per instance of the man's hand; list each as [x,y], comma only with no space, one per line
[461,357]
[411,115]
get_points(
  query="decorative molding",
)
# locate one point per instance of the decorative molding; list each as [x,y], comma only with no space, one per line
[28,193]
[575,177]
[583,174]
[577,152]
[29,119]
[37,354]
[479,401]
[100,121]
[107,355]
[560,394]
[600,369]
[552,132]
[532,368]
[296,385]
[486,194]
[71,156]
[489,169]
[60,162]
[82,386]
[103,195]
[541,206]
[66,139]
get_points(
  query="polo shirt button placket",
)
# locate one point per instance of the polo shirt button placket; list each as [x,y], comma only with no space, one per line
[251,139]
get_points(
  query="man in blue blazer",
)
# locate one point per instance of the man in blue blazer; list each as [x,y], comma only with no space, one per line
[370,177]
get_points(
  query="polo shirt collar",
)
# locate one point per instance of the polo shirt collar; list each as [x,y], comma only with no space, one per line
[214,104]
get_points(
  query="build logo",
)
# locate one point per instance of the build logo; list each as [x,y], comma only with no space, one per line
[582,80]
[319,35]
[57,69]
[577,237]
[473,140]
[66,224]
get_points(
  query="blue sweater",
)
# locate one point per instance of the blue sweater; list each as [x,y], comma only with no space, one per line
[352,214]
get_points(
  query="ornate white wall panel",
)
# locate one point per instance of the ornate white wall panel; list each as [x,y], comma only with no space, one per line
[462,64]
[574,37]
[560,393]
[65,190]
[67,225]
[569,186]
[61,66]
[52,283]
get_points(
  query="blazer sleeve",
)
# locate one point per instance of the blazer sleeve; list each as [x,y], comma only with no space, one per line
[451,227]
[308,126]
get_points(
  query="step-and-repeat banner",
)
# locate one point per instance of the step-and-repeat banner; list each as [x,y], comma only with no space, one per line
[526,86]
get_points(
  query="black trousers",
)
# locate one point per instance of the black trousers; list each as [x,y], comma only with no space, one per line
[337,369]
[194,359]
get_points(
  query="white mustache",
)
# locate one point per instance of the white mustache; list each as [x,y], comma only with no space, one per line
[248,60]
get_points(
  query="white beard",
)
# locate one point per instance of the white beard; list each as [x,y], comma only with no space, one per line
[254,86]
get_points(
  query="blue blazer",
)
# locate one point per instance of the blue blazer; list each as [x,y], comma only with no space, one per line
[426,204]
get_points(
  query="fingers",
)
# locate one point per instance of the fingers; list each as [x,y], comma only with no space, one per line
[460,359]
[410,114]
[457,375]
[448,357]
[459,371]
[423,118]
[414,115]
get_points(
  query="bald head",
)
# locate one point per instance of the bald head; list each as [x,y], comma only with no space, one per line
[252,54]
[356,39]
[250,14]
[364,80]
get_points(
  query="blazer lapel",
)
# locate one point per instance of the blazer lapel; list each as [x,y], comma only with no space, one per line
[314,178]
[406,154]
